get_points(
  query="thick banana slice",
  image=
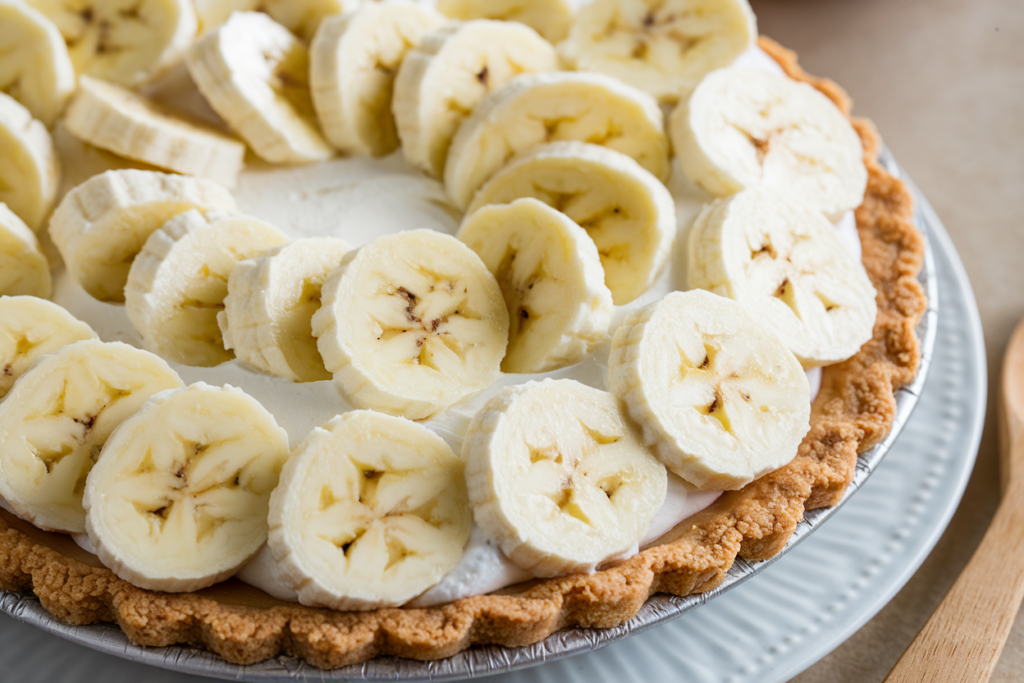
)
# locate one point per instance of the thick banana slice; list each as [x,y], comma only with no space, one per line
[34,65]
[124,42]
[303,17]
[743,127]
[56,419]
[29,169]
[371,511]
[443,79]
[352,65]
[550,273]
[663,47]
[178,501]
[558,477]
[31,327]
[789,269]
[212,14]
[100,226]
[411,324]
[117,120]
[268,312]
[23,267]
[628,213]
[537,108]
[722,401]
[254,74]
[550,18]
[177,284]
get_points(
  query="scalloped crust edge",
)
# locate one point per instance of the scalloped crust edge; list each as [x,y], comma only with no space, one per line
[853,412]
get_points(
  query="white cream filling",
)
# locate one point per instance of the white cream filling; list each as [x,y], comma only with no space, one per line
[360,199]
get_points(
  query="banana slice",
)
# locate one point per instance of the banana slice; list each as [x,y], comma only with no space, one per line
[176,286]
[411,324]
[628,213]
[117,120]
[123,42]
[212,14]
[743,127]
[254,74]
[788,268]
[550,274]
[558,477]
[29,169]
[56,419]
[663,47]
[352,65]
[23,267]
[721,400]
[443,79]
[371,511]
[100,226]
[35,68]
[550,18]
[268,312]
[303,17]
[178,501]
[537,108]
[31,327]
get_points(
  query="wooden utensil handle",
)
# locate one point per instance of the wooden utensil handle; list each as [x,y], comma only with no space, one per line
[964,637]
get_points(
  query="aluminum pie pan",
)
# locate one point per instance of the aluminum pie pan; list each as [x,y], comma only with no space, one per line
[488,660]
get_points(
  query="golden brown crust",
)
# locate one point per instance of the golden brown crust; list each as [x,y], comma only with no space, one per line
[853,412]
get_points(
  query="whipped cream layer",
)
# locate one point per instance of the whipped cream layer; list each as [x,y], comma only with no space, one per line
[359,200]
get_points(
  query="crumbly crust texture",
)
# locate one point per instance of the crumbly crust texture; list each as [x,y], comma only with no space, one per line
[853,412]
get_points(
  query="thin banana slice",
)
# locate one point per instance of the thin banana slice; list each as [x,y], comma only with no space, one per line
[371,511]
[550,18]
[254,74]
[268,312]
[124,42]
[628,213]
[29,169]
[537,108]
[118,120]
[178,501]
[411,324]
[551,276]
[663,47]
[23,267]
[34,65]
[743,127]
[100,226]
[722,401]
[559,478]
[303,17]
[31,327]
[56,419]
[444,78]
[353,61]
[177,284]
[789,269]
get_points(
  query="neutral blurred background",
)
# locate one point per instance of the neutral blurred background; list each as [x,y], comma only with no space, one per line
[944,82]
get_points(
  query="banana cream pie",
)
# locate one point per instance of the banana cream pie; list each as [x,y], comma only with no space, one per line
[516,314]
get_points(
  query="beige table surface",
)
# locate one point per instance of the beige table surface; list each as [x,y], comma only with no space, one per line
[944,82]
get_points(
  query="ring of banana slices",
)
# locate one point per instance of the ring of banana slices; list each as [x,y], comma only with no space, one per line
[544,121]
